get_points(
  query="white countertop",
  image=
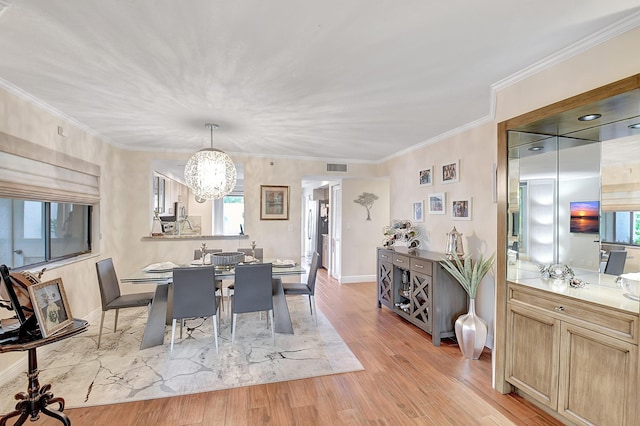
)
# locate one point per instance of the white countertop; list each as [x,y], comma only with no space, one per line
[599,288]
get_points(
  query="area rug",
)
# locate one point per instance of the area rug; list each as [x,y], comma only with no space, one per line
[120,372]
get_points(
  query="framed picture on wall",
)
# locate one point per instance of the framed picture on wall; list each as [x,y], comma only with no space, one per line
[50,305]
[450,172]
[274,202]
[436,203]
[425,177]
[418,211]
[461,209]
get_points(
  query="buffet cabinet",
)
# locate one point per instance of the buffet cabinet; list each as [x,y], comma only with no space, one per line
[577,358]
[415,286]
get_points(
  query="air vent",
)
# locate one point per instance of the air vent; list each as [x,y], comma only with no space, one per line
[336,167]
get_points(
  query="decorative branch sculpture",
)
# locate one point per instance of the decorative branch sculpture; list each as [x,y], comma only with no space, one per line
[366,199]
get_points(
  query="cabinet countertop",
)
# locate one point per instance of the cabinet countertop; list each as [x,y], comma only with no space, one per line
[418,254]
[600,289]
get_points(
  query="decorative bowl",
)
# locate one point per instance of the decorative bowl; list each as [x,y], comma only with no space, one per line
[227,259]
[630,285]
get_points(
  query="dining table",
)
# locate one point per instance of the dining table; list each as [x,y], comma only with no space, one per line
[162,275]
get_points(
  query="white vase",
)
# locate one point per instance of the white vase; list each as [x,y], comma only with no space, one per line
[471,332]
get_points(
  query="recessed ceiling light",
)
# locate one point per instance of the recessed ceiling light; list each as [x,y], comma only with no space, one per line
[634,126]
[536,148]
[589,117]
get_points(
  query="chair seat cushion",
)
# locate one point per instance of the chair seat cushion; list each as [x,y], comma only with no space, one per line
[131,300]
[295,288]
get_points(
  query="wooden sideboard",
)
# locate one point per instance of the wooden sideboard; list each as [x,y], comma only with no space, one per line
[577,358]
[413,285]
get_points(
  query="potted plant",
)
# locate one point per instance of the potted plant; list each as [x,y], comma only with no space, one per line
[471,330]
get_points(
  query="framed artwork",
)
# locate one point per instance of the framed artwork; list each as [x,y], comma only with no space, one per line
[274,202]
[418,211]
[461,209]
[425,177]
[450,172]
[50,306]
[437,203]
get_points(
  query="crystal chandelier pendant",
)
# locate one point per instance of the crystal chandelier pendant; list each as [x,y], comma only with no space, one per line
[210,174]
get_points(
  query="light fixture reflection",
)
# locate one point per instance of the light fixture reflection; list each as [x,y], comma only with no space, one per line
[210,174]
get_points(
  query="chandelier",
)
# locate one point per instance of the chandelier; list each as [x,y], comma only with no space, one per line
[210,174]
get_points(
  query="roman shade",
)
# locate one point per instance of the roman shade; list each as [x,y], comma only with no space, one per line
[33,172]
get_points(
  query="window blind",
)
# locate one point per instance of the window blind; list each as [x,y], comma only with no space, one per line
[32,172]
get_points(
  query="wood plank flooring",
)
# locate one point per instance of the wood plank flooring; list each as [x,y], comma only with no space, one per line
[406,381]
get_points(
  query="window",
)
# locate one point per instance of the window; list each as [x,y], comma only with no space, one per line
[228,215]
[621,227]
[37,232]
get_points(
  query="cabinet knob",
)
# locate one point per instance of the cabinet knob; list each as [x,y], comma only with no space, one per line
[420,266]
[559,308]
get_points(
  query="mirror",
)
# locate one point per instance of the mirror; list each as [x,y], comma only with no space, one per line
[574,184]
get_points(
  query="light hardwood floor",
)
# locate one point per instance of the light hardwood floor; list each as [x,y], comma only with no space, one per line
[406,381]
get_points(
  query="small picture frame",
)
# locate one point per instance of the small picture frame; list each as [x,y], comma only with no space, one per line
[450,172]
[50,306]
[425,176]
[461,209]
[437,203]
[418,211]
[274,202]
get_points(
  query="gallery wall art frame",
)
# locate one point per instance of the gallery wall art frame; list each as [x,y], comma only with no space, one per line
[450,172]
[417,209]
[437,203]
[274,202]
[425,176]
[461,208]
[50,306]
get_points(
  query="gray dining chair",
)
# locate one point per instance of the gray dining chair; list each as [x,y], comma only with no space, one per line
[615,262]
[197,253]
[111,297]
[194,296]
[247,251]
[259,252]
[308,288]
[253,293]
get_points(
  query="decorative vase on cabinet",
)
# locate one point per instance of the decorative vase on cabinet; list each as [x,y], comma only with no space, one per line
[471,332]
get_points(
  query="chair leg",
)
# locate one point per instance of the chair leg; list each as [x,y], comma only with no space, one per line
[173,335]
[314,311]
[273,329]
[229,299]
[181,324]
[115,323]
[215,330]
[233,328]
[100,332]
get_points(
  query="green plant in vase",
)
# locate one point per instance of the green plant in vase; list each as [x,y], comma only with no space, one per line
[471,330]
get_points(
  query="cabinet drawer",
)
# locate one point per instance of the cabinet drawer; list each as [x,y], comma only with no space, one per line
[401,261]
[608,321]
[385,256]
[422,266]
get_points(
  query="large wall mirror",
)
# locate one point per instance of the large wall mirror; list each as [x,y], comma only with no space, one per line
[574,185]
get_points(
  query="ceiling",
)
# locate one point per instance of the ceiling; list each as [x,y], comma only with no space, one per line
[354,80]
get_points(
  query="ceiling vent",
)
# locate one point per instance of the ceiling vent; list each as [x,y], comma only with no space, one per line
[336,167]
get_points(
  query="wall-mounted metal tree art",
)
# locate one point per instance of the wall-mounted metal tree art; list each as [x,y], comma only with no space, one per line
[366,200]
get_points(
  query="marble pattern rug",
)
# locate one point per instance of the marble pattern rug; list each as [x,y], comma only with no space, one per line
[120,372]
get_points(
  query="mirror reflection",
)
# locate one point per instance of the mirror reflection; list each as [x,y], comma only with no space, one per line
[574,187]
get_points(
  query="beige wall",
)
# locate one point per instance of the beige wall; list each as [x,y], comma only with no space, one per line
[360,236]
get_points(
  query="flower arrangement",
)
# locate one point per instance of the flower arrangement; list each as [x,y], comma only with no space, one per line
[468,272]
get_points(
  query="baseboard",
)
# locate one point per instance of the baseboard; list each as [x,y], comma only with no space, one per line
[357,279]
[21,365]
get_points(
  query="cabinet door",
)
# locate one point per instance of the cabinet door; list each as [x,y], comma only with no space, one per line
[385,284]
[533,340]
[421,300]
[597,378]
